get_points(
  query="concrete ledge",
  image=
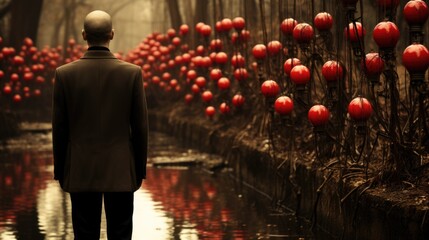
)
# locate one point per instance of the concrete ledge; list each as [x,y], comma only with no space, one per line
[362,215]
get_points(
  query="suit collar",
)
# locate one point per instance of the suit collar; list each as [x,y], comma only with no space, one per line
[98,54]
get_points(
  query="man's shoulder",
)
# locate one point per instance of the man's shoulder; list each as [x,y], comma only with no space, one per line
[69,65]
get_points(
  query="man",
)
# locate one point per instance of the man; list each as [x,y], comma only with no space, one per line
[99,130]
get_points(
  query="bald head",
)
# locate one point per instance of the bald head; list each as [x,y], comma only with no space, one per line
[97,28]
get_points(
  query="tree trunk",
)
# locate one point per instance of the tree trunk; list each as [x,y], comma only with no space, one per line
[201,13]
[250,13]
[175,17]
[25,21]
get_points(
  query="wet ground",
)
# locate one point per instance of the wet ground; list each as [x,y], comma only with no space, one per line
[175,202]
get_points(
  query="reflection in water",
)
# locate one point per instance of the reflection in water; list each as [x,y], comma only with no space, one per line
[174,203]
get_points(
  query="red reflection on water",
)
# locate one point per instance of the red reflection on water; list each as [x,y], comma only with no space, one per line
[20,181]
[192,202]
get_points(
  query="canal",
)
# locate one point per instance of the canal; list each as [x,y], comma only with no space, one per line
[175,202]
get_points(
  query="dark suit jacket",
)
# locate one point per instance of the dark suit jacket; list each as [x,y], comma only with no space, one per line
[99,124]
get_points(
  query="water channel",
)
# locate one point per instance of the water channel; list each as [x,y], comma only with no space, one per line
[173,203]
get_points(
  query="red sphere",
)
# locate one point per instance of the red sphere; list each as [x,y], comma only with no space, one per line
[332,71]
[207,96]
[416,12]
[323,21]
[386,34]
[195,89]
[206,30]
[259,51]
[18,60]
[318,115]
[216,45]
[354,34]
[17,98]
[300,75]
[238,100]
[238,23]
[188,98]
[171,33]
[176,41]
[241,74]
[1,74]
[360,109]
[283,105]
[200,81]
[223,83]
[270,88]
[221,58]
[14,77]
[303,33]
[191,74]
[184,29]
[28,76]
[215,74]
[274,47]
[210,111]
[7,89]
[374,64]
[198,27]
[174,83]
[289,64]
[238,61]
[226,24]
[224,108]
[416,58]
[288,25]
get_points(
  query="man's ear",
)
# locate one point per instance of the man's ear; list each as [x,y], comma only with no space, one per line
[83,34]
[112,34]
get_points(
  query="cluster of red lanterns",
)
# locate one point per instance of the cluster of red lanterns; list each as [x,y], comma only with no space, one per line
[26,72]
[171,67]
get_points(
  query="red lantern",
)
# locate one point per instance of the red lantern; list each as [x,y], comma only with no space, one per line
[270,88]
[245,35]
[238,23]
[355,33]
[223,83]
[207,96]
[300,75]
[195,89]
[171,33]
[174,83]
[259,51]
[210,111]
[189,98]
[416,12]
[37,92]
[226,24]
[198,27]
[318,115]
[288,25]
[221,58]
[200,81]
[238,100]
[191,74]
[14,77]
[206,30]
[224,108]
[416,58]
[374,64]
[386,34]
[28,76]
[216,45]
[184,29]
[238,61]
[274,47]
[218,26]
[240,74]
[289,64]
[215,74]
[18,60]
[332,71]
[283,105]
[323,21]
[303,33]
[1,74]
[360,109]
[7,89]
[17,98]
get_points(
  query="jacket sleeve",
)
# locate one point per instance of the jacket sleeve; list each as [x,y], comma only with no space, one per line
[60,132]
[139,126]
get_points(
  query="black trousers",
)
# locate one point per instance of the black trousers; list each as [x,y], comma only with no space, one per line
[86,215]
